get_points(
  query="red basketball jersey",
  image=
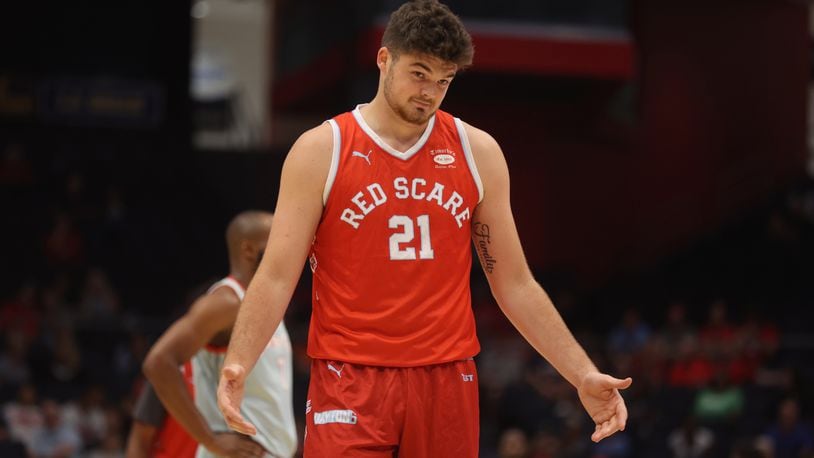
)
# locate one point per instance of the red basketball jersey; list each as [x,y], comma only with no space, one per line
[391,257]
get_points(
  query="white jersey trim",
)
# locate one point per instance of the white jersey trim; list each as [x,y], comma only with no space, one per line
[470,159]
[329,181]
[389,149]
[231,283]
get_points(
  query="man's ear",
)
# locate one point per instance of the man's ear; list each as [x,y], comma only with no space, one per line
[382,57]
[246,250]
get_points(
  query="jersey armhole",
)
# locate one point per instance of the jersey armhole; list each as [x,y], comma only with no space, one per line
[230,283]
[470,160]
[329,181]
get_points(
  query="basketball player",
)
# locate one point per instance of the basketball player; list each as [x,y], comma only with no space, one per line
[154,433]
[386,200]
[202,335]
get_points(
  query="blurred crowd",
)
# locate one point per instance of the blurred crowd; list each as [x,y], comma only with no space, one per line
[93,272]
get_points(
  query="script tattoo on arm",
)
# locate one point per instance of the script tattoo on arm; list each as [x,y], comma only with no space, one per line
[482,237]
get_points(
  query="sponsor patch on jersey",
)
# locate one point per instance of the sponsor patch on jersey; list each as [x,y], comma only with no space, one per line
[444,159]
[347,417]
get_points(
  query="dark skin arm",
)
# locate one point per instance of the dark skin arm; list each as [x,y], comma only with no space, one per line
[140,440]
[209,318]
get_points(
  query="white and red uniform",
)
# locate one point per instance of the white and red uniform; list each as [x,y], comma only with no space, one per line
[391,263]
[267,402]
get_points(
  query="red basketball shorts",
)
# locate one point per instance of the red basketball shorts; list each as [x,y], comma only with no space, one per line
[370,411]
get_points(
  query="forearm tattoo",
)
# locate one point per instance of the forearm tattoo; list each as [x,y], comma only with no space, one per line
[482,240]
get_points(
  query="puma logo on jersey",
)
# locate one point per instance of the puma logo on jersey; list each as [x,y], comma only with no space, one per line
[333,368]
[365,157]
[468,377]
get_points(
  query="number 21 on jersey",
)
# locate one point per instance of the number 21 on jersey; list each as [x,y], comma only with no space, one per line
[405,233]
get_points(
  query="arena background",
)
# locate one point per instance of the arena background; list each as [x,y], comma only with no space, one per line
[661,165]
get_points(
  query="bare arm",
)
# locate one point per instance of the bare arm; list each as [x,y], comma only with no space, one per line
[208,316]
[523,300]
[140,440]
[298,211]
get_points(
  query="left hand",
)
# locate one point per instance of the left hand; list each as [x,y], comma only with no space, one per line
[599,394]
[230,396]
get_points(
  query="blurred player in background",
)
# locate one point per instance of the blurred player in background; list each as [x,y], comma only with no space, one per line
[154,433]
[202,335]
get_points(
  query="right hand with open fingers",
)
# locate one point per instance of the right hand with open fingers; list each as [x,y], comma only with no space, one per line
[230,396]
[233,445]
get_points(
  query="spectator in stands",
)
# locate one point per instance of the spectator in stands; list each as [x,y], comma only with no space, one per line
[747,448]
[65,374]
[691,440]
[127,358]
[720,401]
[112,444]
[10,447]
[110,447]
[23,415]
[789,436]
[14,367]
[620,446]
[513,443]
[630,335]
[691,369]
[54,439]
[627,340]
[717,334]
[99,302]
[676,328]
[88,416]
[546,444]
[57,312]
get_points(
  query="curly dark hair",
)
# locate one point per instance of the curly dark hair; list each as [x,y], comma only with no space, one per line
[428,27]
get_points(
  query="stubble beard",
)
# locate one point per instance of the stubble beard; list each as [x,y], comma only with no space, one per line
[411,116]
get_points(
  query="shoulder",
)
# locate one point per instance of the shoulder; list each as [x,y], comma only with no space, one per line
[222,300]
[487,154]
[314,144]
[481,142]
[321,135]
[309,159]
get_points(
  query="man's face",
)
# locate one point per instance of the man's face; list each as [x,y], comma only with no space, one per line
[415,85]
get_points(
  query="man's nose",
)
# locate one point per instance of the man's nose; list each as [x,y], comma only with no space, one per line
[428,90]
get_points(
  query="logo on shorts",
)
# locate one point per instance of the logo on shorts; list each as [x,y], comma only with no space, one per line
[347,417]
[307,407]
[333,368]
[468,377]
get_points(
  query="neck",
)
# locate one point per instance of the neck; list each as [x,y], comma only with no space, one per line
[388,124]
